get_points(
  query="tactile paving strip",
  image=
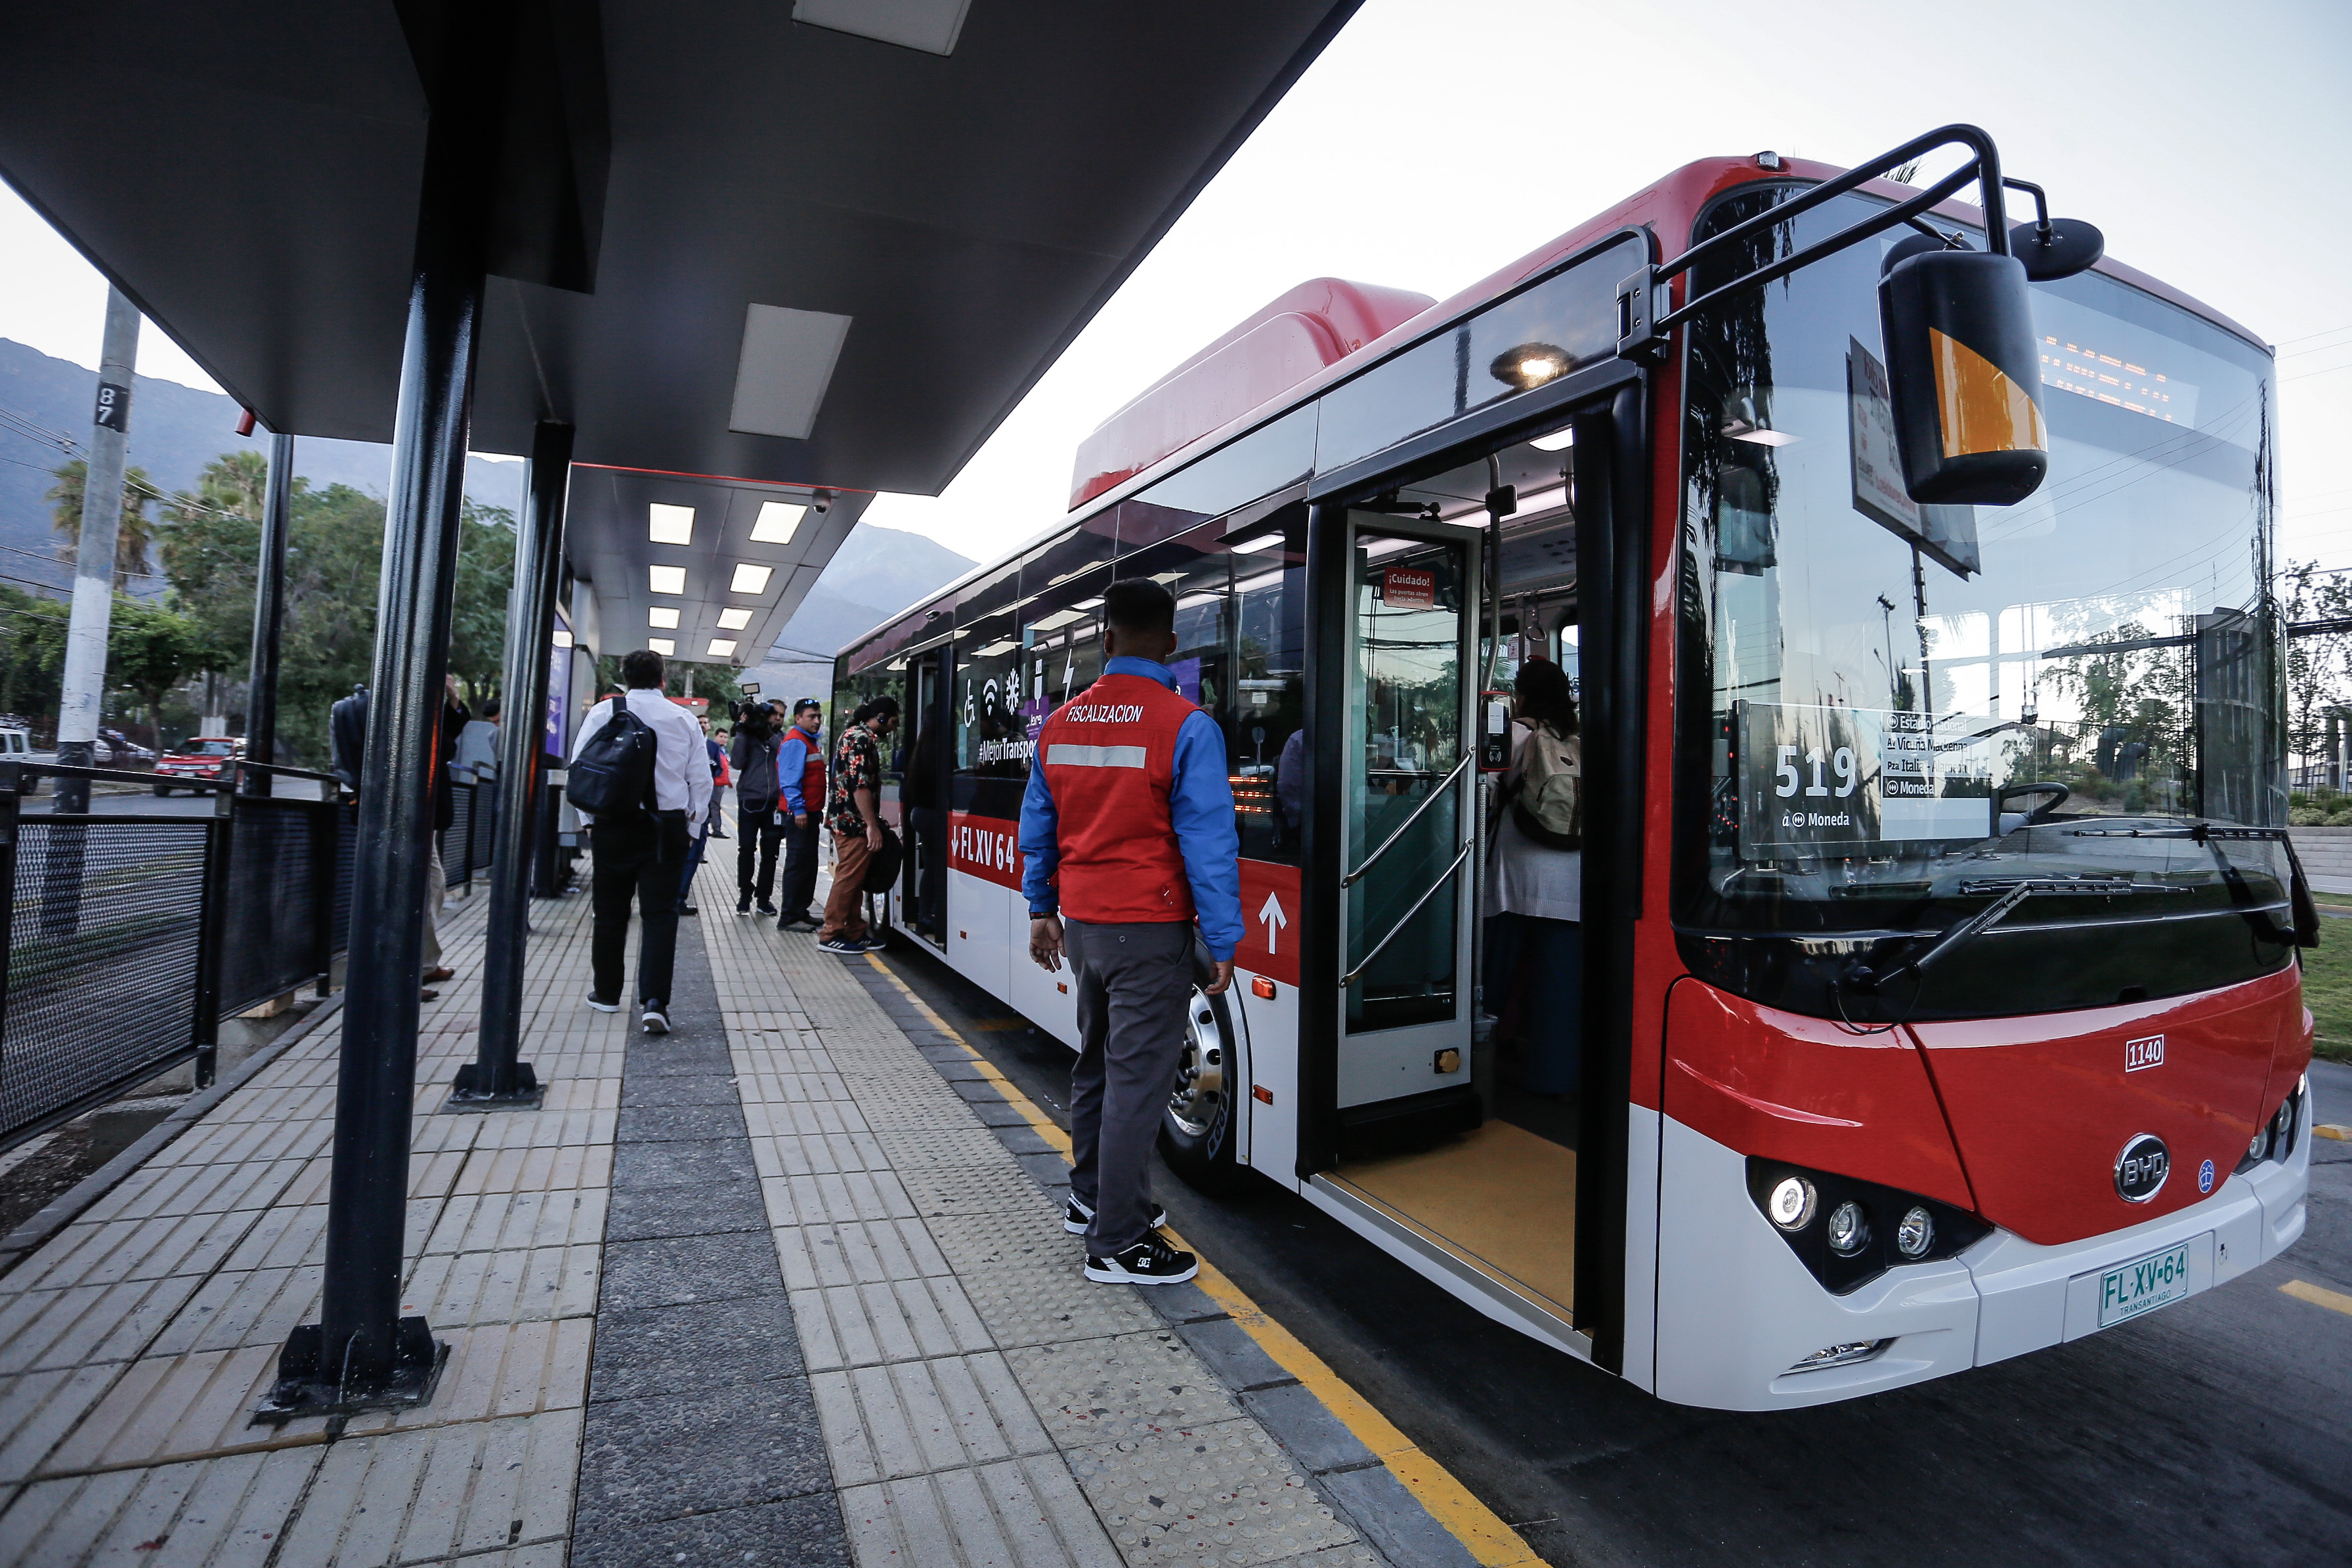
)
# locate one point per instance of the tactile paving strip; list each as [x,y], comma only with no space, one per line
[1174,1470]
[1217,1496]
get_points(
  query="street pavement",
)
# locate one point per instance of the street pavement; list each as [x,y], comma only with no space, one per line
[2210,1432]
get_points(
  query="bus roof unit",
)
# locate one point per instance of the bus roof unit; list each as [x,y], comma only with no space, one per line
[1313,326]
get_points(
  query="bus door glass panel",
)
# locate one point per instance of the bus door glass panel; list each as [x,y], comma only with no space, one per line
[1404,919]
[924,793]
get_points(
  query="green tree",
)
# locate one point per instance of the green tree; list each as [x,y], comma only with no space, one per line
[32,654]
[150,649]
[210,545]
[137,532]
[477,614]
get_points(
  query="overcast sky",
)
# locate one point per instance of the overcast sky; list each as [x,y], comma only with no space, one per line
[1437,139]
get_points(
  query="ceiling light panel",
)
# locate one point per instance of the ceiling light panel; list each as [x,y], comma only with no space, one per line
[666,579]
[671,525]
[722,648]
[734,620]
[749,578]
[779,520]
[662,617]
[931,26]
[784,368]
[661,645]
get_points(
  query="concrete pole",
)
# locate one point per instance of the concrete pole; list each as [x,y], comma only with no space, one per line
[101,523]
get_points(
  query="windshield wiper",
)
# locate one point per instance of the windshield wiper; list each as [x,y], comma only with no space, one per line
[2013,891]
[2213,835]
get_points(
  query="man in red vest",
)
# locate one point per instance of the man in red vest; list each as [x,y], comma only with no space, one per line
[1127,836]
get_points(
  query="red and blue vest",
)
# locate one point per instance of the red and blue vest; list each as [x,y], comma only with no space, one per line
[1109,757]
[812,774]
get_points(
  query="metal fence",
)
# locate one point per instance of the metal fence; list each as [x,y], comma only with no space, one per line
[130,936]
[465,842]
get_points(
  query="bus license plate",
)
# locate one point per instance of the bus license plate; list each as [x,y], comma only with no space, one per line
[2143,1285]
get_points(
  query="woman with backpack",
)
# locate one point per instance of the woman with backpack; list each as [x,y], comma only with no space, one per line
[1534,905]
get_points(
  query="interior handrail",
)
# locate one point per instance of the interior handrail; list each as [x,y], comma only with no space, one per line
[1352,975]
[1357,875]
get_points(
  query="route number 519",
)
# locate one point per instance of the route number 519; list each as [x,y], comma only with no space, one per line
[1788,780]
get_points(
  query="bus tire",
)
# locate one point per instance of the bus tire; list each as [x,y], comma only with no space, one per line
[1197,1131]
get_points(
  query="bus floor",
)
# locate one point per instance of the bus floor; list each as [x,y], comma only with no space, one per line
[2211,1431]
[1500,1198]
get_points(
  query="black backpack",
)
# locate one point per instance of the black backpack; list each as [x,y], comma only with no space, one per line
[614,774]
[882,865]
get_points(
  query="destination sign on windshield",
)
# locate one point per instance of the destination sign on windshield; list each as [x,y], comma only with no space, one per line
[1846,781]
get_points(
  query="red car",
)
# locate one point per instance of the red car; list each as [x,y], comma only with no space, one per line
[206,757]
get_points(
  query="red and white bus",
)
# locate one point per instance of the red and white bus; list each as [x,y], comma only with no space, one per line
[1939,989]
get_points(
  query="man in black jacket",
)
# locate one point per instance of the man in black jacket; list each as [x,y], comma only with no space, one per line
[752,755]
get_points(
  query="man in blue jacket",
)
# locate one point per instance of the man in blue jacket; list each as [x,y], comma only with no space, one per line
[799,775]
[1127,837]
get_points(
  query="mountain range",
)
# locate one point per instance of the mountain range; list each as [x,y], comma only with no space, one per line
[45,418]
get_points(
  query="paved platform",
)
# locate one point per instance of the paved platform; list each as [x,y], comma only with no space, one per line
[788,1285]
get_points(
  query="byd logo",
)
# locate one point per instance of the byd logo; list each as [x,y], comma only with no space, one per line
[2139,1053]
[2141,1168]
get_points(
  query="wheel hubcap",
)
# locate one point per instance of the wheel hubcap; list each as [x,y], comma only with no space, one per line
[1199,1101]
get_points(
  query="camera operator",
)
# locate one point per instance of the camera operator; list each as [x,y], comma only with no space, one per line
[752,755]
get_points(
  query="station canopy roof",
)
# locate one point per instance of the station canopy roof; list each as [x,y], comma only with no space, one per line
[811,245]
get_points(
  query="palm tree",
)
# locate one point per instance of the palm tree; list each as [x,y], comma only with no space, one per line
[137,532]
[234,482]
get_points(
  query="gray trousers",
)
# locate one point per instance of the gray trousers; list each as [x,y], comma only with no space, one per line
[1134,983]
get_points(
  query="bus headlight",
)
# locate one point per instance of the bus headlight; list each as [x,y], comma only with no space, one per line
[1825,1220]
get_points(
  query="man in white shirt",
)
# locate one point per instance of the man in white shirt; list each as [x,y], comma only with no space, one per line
[643,855]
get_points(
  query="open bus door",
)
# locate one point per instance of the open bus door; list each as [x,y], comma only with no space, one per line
[1417,1129]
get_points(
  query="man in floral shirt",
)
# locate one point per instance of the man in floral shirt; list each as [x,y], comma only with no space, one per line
[853,810]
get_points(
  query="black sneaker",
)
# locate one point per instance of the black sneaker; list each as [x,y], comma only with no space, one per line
[743,906]
[766,908]
[1077,1216]
[685,908]
[843,946]
[1149,1262]
[656,1017]
[601,1005]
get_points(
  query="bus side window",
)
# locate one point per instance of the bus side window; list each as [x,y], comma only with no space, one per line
[1240,589]
[1061,630]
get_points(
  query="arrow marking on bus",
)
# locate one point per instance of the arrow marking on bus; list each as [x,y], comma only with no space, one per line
[1275,921]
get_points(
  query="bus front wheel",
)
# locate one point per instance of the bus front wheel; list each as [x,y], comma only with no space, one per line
[1196,1130]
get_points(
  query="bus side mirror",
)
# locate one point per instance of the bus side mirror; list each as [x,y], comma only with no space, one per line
[1963,377]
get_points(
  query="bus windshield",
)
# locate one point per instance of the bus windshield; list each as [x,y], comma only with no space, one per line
[1891,712]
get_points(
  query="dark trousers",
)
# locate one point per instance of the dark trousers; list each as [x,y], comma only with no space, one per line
[757,852]
[1535,987]
[930,826]
[1134,984]
[799,866]
[643,861]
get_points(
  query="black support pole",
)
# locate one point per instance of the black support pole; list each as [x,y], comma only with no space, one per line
[362,1354]
[494,1080]
[269,615]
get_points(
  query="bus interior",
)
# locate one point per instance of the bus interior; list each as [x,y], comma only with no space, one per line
[1494,1185]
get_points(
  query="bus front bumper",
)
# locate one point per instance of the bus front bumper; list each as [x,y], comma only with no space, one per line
[1738,1314]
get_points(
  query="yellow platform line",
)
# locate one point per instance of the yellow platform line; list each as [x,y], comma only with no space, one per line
[1480,1529]
[2329,1130]
[2319,1296]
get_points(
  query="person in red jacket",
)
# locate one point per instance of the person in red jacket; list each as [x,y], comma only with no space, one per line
[1127,836]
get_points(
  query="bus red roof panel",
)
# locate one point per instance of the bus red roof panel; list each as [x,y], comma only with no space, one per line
[1313,326]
